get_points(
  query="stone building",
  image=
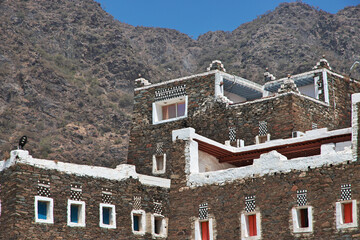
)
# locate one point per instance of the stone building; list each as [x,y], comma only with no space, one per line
[211,156]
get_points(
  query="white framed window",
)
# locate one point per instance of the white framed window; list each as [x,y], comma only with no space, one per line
[158,226]
[159,164]
[76,213]
[204,229]
[44,208]
[138,222]
[302,218]
[107,215]
[169,110]
[251,225]
[346,214]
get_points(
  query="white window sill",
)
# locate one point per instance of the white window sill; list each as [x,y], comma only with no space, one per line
[169,120]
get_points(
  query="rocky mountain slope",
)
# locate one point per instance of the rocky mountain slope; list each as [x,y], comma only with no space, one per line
[67,67]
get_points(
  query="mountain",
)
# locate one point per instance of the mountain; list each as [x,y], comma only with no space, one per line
[67,67]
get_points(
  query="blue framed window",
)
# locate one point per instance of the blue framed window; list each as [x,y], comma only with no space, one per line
[74,214]
[42,209]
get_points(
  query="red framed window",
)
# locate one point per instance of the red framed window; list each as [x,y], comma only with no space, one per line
[252,225]
[205,233]
[347,212]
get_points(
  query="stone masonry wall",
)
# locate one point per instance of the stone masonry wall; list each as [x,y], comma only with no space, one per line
[18,217]
[283,114]
[275,197]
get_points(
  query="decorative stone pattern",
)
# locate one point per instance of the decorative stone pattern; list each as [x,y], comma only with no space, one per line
[76,192]
[157,207]
[106,196]
[43,188]
[301,197]
[250,204]
[203,211]
[137,203]
[232,134]
[263,128]
[314,126]
[168,93]
[345,192]
[159,148]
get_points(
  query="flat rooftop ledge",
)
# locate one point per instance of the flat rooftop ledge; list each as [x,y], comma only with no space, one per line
[270,163]
[189,134]
[121,172]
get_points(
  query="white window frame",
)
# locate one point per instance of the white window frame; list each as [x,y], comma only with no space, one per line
[157,109]
[82,220]
[295,219]
[198,228]
[154,167]
[142,229]
[245,225]
[50,209]
[112,224]
[340,217]
[163,231]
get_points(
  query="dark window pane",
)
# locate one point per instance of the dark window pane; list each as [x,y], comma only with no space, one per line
[136,223]
[74,213]
[42,210]
[106,215]
[172,110]
[181,109]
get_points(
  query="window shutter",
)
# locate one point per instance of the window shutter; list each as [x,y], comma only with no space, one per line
[348,212]
[252,225]
[205,230]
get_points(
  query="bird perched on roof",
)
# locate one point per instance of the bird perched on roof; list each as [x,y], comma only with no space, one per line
[22,142]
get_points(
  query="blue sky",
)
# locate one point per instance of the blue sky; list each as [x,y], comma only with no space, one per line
[195,17]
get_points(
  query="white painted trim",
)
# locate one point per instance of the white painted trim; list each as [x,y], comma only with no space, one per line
[157,110]
[245,226]
[340,218]
[163,231]
[198,228]
[120,173]
[112,224]
[82,220]
[295,219]
[154,165]
[242,81]
[176,80]
[50,209]
[325,86]
[355,99]
[143,222]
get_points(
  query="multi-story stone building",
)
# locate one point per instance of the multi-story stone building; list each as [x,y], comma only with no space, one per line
[211,156]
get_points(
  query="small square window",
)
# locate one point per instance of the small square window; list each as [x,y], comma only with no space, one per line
[44,209]
[158,223]
[302,219]
[76,213]
[159,164]
[170,110]
[138,221]
[346,214]
[107,215]
[250,225]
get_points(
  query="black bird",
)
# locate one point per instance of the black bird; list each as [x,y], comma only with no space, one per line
[22,142]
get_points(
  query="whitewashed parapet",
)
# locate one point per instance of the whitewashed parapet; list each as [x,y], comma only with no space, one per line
[270,163]
[121,172]
[355,99]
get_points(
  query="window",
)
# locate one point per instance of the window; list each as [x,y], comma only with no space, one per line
[159,163]
[158,223]
[107,215]
[170,110]
[250,225]
[44,209]
[204,229]
[346,214]
[138,221]
[76,213]
[302,219]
